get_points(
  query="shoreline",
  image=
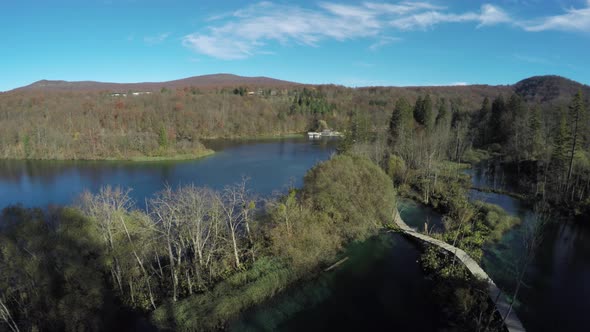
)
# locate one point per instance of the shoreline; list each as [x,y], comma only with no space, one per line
[253,138]
[177,157]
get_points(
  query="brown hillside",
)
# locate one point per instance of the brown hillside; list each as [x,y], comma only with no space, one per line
[204,82]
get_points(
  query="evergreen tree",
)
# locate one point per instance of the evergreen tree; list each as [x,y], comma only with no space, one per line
[443,116]
[419,110]
[163,137]
[577,113]
[559,157]
[358,131]
[534,136]
[423,112]
[401,121]
[497,121]
[481,124]
[429,117]
[515,123]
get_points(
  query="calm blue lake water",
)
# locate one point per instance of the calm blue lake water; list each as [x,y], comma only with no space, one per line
[271,166]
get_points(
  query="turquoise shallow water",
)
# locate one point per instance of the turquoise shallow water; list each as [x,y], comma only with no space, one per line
[416,215]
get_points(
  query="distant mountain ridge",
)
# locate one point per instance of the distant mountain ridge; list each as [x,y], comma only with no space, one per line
[549,88]
[542,89]
[204,82]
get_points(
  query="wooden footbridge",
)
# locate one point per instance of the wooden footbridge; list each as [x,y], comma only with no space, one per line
[511,321]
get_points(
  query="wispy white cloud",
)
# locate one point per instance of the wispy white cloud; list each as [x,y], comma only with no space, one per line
[364,64]
[252,29]
[491,15]
[572,20]
[156,39]
[401,8]
[442,84]
[360,82]
[382,42]
[532,59]
[488,15]
[247,31]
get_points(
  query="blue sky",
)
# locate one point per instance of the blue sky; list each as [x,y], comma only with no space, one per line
[356,43]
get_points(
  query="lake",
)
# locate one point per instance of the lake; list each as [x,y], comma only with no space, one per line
[271,165]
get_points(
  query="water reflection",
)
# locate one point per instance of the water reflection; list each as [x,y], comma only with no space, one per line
[270,164]
[556,291]
[380,287]
[416,215]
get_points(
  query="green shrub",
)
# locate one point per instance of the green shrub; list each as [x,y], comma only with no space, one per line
[355,194]
[397,169]
[211,310]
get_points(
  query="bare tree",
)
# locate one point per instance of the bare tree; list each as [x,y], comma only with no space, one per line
[110,209]
[230,203]
[165,214]
[7,317]
[104,208]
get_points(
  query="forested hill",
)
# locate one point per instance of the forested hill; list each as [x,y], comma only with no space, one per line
[538,89]
[201,82]
[92,120]
[545,89]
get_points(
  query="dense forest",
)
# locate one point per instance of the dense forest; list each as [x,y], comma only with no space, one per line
[54,124]
[550,149]
[47,124]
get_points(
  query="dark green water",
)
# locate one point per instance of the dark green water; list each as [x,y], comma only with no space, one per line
[380,287]
[271,166]
[416,215]
[556,291]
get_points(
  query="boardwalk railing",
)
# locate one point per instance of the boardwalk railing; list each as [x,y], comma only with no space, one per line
[511,321]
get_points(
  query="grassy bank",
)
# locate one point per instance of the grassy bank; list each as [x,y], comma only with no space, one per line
[177,157]
[135,158]
[257,137]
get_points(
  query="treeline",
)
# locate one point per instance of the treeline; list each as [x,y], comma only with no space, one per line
[549,150]
[421,150]
[93,125]
[192,261]
[165,123]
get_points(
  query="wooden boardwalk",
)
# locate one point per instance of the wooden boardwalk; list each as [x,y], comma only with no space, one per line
[512,322]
